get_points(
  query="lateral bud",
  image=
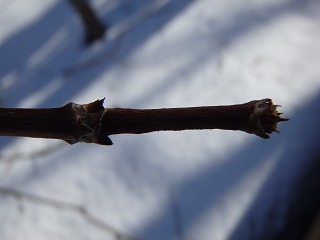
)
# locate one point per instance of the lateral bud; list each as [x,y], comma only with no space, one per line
[89,116]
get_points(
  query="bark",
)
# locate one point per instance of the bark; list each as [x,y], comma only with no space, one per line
[94,28]
[92,123]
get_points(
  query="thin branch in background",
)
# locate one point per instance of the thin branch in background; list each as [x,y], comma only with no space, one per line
[94,28]
[21,156]
[115,35]
[92,123]
[177,217]
[70,207]
[110,55]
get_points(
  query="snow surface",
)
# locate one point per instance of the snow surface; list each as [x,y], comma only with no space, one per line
[168,185]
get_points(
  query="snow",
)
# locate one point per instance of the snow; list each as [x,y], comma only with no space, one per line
[167,185]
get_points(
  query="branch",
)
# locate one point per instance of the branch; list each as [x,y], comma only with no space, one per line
[95,29]
[92,123]
[68,206]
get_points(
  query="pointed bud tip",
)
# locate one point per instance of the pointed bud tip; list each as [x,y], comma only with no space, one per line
[265,117]
[94,107]
[283,119]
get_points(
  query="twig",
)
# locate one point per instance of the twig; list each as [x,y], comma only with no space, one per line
[68,206]
[92,123]
[95,29]
[21,156]
[177,218]
[115,35]
[109,55]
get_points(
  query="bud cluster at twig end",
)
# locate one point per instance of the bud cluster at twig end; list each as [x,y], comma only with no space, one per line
[264,118]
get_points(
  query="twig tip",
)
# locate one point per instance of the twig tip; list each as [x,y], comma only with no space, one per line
[265,117]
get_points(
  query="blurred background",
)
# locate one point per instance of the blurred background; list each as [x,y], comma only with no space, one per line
[155,54]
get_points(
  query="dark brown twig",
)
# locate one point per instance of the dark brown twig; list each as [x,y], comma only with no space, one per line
[92,123]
